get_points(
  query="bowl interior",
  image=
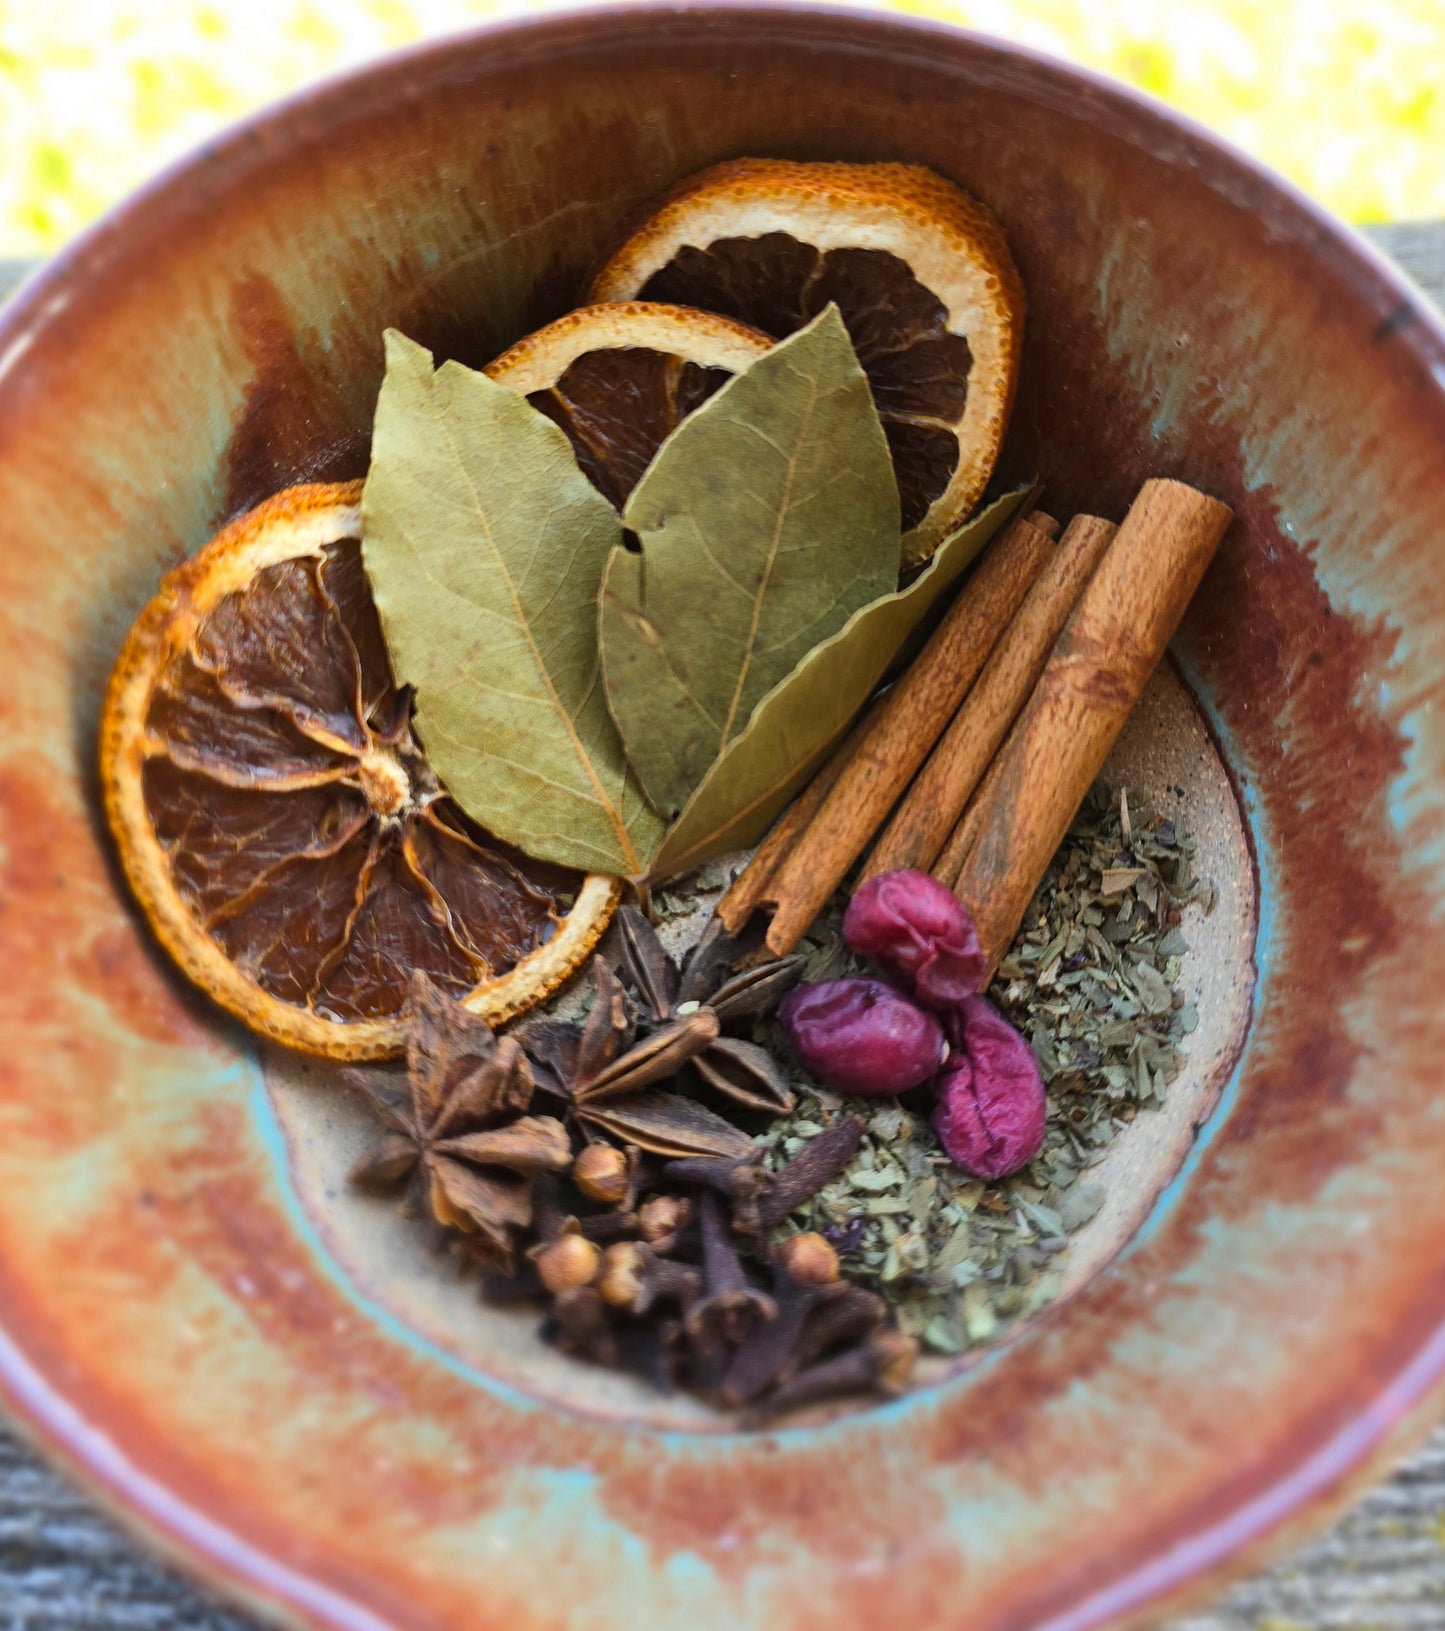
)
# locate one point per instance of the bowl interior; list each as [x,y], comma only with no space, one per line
[173,1320]
[1166,749]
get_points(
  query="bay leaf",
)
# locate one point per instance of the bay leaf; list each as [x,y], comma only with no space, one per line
[485,546]
[803,717]
[766,519]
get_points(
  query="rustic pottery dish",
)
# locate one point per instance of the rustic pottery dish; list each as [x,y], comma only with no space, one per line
[183,1319]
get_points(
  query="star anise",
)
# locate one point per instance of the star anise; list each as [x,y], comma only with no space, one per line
[705,983]
[458,1141]
[608,1079]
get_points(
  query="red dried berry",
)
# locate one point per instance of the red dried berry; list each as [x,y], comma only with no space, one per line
[991,1105]
[862,1036]
[918,931]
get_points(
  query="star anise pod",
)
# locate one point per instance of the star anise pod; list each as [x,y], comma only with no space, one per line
[458,1140]
[609,1080]
[705,983]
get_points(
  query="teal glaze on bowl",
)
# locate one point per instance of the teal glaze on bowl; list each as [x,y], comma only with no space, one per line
[168,1325]
[317,1134]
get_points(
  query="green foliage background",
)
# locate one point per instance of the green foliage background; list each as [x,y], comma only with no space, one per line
[1346,97]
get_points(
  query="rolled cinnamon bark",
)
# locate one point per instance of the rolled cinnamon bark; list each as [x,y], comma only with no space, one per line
[930,809]
[902,730]
[1109,648]
[751,884]
[965,834]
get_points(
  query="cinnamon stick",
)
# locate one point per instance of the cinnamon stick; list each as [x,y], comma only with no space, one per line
[923,821]
[1117,634]
[965,834]
[751,884]
[749,888]
[902,730]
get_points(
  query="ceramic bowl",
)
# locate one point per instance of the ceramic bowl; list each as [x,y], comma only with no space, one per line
[180,1321]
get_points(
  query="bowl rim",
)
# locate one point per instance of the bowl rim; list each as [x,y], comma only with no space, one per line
[1406,1403]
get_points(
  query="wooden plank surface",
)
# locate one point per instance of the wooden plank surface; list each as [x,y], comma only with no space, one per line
[64,1567]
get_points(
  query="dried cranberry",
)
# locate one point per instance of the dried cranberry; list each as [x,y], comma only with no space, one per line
[917,930]
[862,1036]
[991,1106]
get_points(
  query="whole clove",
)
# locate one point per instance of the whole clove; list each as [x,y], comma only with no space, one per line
[635,1278]
[623,1274]
[662,1219]
[654,1350]
[568,1262]
[652,1252]
[605,1227]
[549,1216]
[742,1182]
[669,1282]
[738,1180]
[883,1364]
[809,1259]
[840,1321]
[729,1301]
[805,1272]
[815,1166]
[577,1324]
[607,1175]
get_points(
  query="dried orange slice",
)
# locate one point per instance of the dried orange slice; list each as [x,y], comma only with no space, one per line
[619,378]
[276,815]
[921,275]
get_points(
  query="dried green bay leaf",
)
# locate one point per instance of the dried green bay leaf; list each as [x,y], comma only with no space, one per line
[803,716]
[767,518]
[485,546]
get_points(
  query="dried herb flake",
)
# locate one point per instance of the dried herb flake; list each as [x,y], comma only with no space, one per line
[1092,981]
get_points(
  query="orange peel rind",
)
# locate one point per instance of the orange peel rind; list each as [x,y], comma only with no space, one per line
[184,902]
[949,241]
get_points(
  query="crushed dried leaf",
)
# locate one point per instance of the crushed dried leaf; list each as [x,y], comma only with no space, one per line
[1093,981]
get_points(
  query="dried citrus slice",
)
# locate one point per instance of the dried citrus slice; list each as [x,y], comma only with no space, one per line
[619,378]
[276,815]
[920,272]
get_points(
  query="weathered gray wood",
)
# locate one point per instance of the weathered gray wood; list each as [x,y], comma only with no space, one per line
[11,273]
[1418,247]
[64,1567]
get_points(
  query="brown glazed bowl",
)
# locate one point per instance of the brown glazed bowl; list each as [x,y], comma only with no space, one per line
[178,1323]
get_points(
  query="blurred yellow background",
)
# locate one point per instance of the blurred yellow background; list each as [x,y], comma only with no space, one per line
[1343,96]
